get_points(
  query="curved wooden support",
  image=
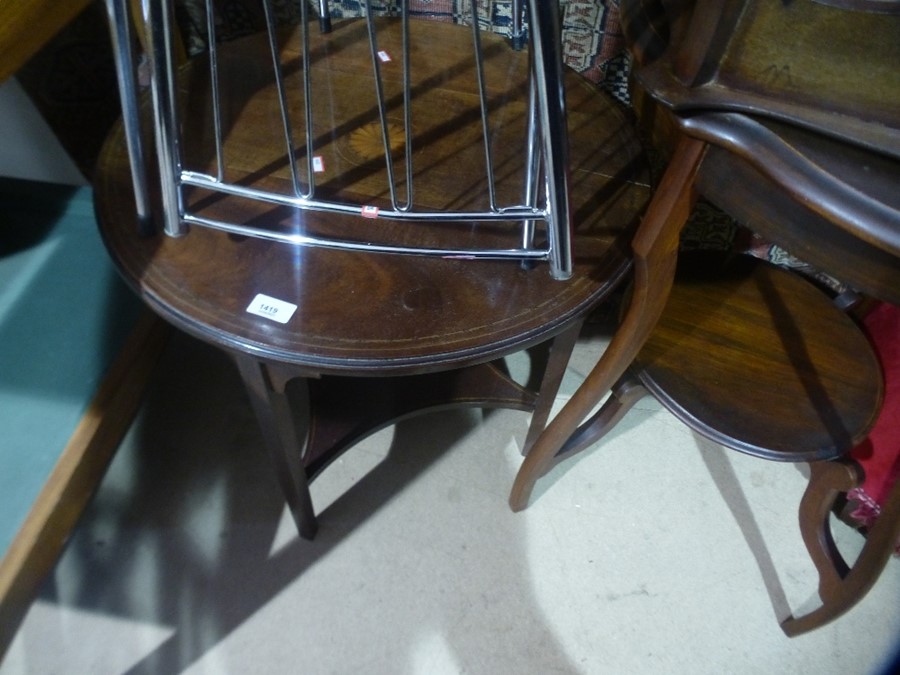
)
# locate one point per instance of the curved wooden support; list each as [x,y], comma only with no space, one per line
[827,480]
[870,217]
[625,393]
[840,588]
[655,249]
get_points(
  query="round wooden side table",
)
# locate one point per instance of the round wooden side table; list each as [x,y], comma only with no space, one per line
[378,336]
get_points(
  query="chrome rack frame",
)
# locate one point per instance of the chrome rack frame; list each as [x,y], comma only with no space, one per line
[546,147]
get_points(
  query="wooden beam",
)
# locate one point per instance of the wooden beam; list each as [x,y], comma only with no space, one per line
[77,474]
[27,25]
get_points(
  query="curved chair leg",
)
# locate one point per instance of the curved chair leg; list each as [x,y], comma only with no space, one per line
[655,253]
[841,588]
[625,393]
[827,480]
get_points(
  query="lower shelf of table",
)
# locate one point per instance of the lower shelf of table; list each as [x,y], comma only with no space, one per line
[345,410]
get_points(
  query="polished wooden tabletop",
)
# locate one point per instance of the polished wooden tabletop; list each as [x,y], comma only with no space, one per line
[760,360]
[364,313]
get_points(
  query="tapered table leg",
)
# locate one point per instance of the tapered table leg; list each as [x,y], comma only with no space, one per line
[276,421]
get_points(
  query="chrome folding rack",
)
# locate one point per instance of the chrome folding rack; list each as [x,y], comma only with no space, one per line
[545,149]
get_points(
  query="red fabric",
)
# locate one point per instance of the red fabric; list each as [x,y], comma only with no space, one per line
[879,454]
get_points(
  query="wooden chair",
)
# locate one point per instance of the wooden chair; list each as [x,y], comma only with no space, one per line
[805,157]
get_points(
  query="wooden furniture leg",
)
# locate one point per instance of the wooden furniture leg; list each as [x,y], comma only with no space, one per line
[273,412]
[841,587]
[560,353]
[625,393]
[341,411]
[655,248]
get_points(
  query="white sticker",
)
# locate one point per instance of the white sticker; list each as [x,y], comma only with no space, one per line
[318,164]
[272,308]
[384,56]
[369,212]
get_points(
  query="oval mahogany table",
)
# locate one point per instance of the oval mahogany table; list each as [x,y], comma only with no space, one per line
[380,336]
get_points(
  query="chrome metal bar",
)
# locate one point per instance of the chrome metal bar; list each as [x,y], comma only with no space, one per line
[509,213]
[546,146]
[121,36]
[158,18]
[287,128]
[382,110]
[213,50]
[324,17]
[482,96]
[307,96]
[407,105]
[545,32]
[532,160]
[365,247]
[518,30]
